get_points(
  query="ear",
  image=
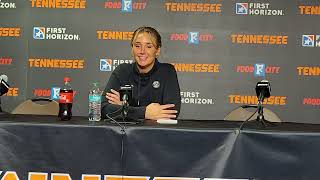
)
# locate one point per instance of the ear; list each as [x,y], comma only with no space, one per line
[158,52]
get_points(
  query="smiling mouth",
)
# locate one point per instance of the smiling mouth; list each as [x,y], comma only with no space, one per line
[142,58]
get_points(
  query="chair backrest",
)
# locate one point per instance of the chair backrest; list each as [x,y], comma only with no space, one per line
[241,114]
[37,107]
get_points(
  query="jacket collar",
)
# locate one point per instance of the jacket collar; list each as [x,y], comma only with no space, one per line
[148,74]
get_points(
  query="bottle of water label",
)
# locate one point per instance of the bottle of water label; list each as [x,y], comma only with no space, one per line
[94,106]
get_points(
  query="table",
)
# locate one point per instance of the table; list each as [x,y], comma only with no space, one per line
[199,149]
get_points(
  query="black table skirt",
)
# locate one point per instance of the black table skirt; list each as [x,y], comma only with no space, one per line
[199,149]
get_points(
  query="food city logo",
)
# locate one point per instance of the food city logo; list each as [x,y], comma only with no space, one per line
[12,175]
[259,39]
[309,10]
[53,93]
[257,9]
[43,93]
[59,4]
[311,101]
[247,99]
[13,91]
[192,37]
[114,35]
[258,69]
[194,97]
[10,32]
[310,40]
[308,70]
[53,33]
[111,64]
[125,5]
[7,5]
[193,7]
[184,67]
[56,63]
[5,61]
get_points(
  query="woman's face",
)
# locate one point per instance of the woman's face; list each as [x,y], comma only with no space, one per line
[144,52]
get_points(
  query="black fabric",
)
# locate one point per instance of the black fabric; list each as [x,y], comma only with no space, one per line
[35,145]
[215,149]
[144,91]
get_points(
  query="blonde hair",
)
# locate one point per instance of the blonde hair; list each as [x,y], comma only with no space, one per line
[154,35]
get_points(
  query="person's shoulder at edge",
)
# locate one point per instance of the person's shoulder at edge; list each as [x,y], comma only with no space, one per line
[167,67]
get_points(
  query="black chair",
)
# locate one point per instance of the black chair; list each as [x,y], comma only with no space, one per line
[242,113]
[41,106]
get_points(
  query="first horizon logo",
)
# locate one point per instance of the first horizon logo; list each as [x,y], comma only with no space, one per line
[242,8]
[311,40]
[56,33]
[105,64]
[108,65]
[7,5]
[262,9]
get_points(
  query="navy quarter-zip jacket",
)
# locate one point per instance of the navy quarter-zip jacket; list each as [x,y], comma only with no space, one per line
[159,85]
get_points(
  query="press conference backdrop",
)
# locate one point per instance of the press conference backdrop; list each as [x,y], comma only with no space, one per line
[220,50]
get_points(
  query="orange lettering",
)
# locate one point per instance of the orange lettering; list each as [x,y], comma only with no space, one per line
[37,176]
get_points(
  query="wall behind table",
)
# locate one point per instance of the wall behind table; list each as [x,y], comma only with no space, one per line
[217,67]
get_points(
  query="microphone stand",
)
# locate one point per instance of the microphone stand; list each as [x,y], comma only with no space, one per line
[260,117]
[0,106]
[125,106]
[124,113]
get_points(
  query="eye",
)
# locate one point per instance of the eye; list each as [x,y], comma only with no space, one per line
[150,46]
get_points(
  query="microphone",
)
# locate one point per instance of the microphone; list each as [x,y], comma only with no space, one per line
[126,96]
[4,77]
[263,90]
[4,86]
[125,99]
[126,93]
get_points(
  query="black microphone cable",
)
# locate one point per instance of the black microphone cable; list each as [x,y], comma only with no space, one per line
[115,121]
[245,106]
[123,135]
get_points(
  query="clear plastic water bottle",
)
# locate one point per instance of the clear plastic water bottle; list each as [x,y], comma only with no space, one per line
[95,103]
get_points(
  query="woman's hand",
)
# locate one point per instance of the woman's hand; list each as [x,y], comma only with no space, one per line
[156,111]
[114,97]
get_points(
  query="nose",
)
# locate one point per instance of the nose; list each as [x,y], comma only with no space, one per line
[142,49]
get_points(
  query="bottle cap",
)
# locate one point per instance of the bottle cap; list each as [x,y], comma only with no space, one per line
[66,79]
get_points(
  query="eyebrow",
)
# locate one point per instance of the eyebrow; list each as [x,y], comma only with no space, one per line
[142,43]
[137,42]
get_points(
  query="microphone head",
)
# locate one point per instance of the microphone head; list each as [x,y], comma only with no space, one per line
[125,97]
[126,93]
[4,78]
[263,89]
[4,87]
